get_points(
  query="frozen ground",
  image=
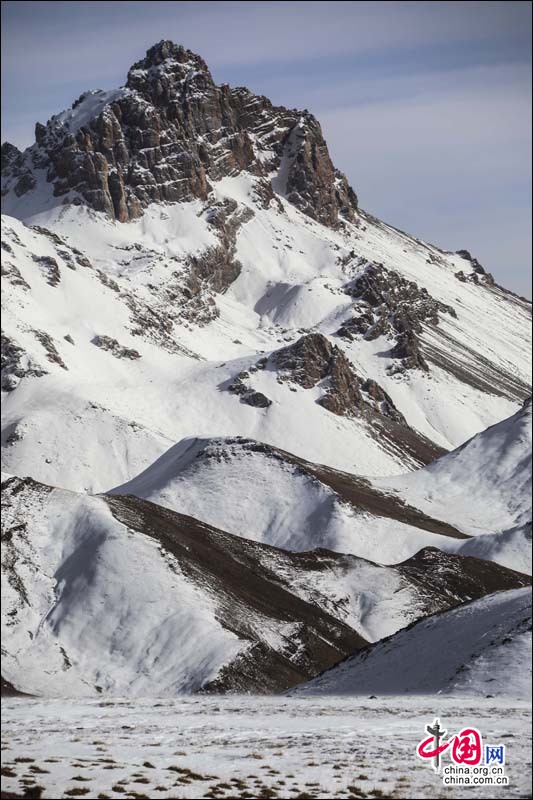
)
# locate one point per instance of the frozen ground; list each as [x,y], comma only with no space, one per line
[197,747]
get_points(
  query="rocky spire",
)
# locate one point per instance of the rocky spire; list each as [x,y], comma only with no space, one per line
[166,70]
[168,51]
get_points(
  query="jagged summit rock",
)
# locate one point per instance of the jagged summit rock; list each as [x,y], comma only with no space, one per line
[169,132]
[10,153]
[170,52]
[15,171]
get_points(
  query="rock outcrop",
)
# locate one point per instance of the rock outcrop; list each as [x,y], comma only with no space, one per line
[478,273]
[15,364]
[389,304]
[313,360]
[116,349]
[246,394]
[168,133]
[50,268]
[314,363]
[16,174]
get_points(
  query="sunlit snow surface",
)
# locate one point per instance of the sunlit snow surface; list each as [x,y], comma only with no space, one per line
[482,488]
[251,746]
[480,648]
[121,415]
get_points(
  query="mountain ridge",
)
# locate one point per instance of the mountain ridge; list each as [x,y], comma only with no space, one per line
[487,650]
[474,500]
[173,605]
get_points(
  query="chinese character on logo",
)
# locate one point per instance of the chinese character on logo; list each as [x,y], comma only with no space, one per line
[495,754]
[467,747]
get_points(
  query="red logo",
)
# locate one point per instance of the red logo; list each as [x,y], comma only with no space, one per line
[466,746]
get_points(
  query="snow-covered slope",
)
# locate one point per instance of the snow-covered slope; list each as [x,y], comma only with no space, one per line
[481,490]
[293,279]
[266,494]
[480,648]
[171,605]
[165,604]
[92,353]
[483,485]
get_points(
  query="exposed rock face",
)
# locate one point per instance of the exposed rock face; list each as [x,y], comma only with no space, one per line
[389,304]
[213,270]
[246,394]
[15,364]
[170,131]
[478,274]
[52,235]
[378,398]
[110,344]
[314,360]
[15,171]
[50,267]
[10,155]
[12,273]
[313,184]
[256,399]
[308,361]
[407,350]
[51,350]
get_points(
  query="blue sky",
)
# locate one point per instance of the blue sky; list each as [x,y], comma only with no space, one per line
[425,105]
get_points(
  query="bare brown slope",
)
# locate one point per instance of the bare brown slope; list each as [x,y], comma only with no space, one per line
[236,572]
[248,578]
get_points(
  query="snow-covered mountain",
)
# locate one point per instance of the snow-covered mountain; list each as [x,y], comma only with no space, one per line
[126,598]
[271,496]
[483,647]
[181,322]
[197,311]
[483,487]
[171,605]
[475,500]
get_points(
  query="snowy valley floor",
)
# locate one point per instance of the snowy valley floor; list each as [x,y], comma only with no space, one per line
[197,747]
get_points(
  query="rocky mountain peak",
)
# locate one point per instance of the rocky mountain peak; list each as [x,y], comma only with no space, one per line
[168,51]
[168,135]
[166,70]
[10,154]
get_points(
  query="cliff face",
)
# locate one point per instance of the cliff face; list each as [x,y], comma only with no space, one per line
[170,131]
